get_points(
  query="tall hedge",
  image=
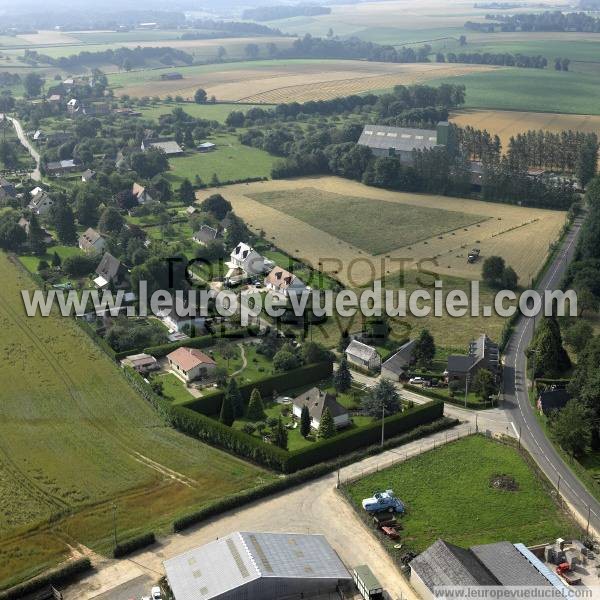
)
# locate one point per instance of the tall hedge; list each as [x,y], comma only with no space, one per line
[211,431]
[211,403]
[55,577]
[132,544]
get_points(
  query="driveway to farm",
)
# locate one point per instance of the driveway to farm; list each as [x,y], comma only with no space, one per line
[521,414]
[35,174]
[314,507]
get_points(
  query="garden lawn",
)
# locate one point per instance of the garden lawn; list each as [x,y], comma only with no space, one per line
[230,161]
[174,389]
[455,501]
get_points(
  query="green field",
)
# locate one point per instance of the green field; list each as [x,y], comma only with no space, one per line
[213,112]
[586,50]
[74,437]
[456,502]
[231,161]
[383,226]
[535,90]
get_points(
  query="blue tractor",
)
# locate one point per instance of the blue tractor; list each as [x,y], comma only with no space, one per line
[383,501]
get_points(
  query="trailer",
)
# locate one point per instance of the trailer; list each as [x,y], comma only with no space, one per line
[367,583]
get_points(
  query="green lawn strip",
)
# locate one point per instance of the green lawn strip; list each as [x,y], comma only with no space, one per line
[213,112]
[380,226]
[457,503]
[230,161]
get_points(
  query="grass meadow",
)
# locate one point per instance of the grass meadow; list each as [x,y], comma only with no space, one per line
[456,501]
[75,437]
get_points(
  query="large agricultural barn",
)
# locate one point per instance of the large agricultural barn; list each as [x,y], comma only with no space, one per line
[256,566]
[401,141]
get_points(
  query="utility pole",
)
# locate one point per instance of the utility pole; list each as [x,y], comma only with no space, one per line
[534,352]
[466,389]
[114,506]
[587,529]
[558,487]
[382,421]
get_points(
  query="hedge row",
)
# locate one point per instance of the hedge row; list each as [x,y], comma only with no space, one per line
[203,341]
[213,432]
[236,500]
[211,403]
[55,577]
[132,544]
[423,391]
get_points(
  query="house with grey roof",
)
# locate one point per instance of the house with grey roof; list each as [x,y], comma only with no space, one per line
[483,353]
[396,366]
[257,566]
[317,400]
[497,564]
[110,270]
[401,142]
[205,234]
[91,241]
[363,356]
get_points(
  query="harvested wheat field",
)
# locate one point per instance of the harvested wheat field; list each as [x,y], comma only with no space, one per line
[308,218]
[286,81]
[507,123]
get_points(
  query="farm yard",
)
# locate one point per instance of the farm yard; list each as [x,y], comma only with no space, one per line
[521,235]
[506,123]
[275,81]
[76,437]
[458,503]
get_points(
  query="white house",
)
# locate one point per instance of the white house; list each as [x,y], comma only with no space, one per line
[283,282]
[92,242]
[363,356]
[244,261]
[317,401]
[190,364]
[40,203]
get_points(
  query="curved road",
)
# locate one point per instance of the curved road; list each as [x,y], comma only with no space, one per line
[35,174]
[521,414]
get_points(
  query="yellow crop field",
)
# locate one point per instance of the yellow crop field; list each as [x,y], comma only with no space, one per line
[438,239]
[287,81]
[507,123]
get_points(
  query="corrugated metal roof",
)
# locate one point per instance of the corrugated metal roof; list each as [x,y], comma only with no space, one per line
[360,350]
[242,557]
[383,137]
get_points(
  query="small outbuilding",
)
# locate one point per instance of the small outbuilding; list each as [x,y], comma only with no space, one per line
[363,356]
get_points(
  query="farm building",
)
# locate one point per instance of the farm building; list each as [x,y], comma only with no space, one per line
[363,356]
[283,282]
[190,364]
[168,146]
[142,363]
[394,368]
[206,146]
[483,354]
[91,241]
[257,566]
[61,167]
[317,401]
[401,141]
[498,564]
[205,234]
[552,399]
[170,76]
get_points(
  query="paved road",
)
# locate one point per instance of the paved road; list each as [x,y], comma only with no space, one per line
[520,412]
[35,174]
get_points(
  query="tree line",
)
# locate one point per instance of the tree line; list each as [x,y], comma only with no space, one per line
[505,59]
[545,21]
[125,58]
